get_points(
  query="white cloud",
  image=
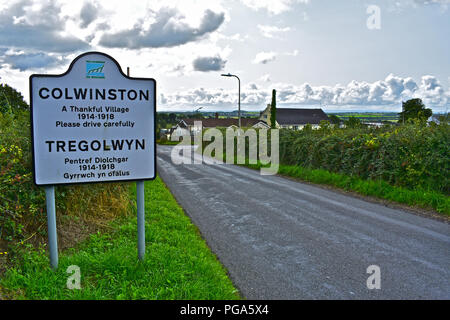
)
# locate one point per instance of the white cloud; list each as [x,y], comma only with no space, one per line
[272,6]
[265,78]
[264,57]
[432,1]
[293,53]
[387,93]
[431,91]
[271,31]
[401,5]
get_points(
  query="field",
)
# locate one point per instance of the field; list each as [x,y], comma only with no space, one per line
[368,116]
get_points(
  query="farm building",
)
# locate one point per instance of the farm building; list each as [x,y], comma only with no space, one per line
[290,118]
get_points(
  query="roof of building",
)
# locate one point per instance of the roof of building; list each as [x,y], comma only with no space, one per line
[225,122]
[286,116]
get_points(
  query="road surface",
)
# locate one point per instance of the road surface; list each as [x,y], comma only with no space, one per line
[282,239]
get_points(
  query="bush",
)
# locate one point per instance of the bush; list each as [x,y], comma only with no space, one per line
[22,204]
[413,155]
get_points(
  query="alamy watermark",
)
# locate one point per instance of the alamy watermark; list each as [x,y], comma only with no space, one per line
[74,280]
[374,280]
[259,143]
[374,20]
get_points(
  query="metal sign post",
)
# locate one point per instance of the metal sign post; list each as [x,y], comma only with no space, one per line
[140,199]
[140,218]
[92,123]
[51,226]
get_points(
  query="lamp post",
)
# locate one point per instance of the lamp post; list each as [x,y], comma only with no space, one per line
[239,94]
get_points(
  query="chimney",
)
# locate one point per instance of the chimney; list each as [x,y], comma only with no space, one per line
[217,115]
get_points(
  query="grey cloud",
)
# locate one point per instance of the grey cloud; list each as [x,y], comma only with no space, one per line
[90,37]
[36,30]
[432,92]
[410,84]
[102,26]
[26,61]
[178,68]
[211,21]
[430,83]
[162,99]
[206,64]
[88,14]
[168,30]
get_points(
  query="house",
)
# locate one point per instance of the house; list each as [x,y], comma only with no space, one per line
[434,118]
[190,126]
[296,119]
[373,124]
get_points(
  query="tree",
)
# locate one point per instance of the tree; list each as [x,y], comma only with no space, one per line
[324,125]
[273,110]
[11,99]
[353,122]
[307,127]
[334,119]
[445,118]
[172,118]
[414,109]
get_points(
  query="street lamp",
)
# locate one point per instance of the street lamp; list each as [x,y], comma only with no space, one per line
[239,93]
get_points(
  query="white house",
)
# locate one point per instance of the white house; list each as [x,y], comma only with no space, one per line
[194,126]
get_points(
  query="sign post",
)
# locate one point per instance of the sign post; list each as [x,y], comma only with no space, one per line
[140,218]
[51,226]
[92,124]
[140,199]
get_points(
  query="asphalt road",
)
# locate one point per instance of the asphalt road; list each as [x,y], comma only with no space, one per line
[281,239]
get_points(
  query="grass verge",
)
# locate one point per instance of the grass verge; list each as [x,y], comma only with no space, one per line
[178,263]
[376,188]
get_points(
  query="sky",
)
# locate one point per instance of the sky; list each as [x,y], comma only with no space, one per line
[337,55]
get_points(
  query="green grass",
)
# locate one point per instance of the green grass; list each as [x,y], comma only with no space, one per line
[376,188]
[178,264]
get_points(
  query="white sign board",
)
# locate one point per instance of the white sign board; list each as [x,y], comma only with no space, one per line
[92,124]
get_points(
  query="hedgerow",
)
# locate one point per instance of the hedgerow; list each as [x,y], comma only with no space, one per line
[413,155]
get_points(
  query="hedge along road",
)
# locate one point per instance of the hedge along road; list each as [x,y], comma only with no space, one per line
[281,239]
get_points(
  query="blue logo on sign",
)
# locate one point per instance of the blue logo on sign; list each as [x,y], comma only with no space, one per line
[94,69]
